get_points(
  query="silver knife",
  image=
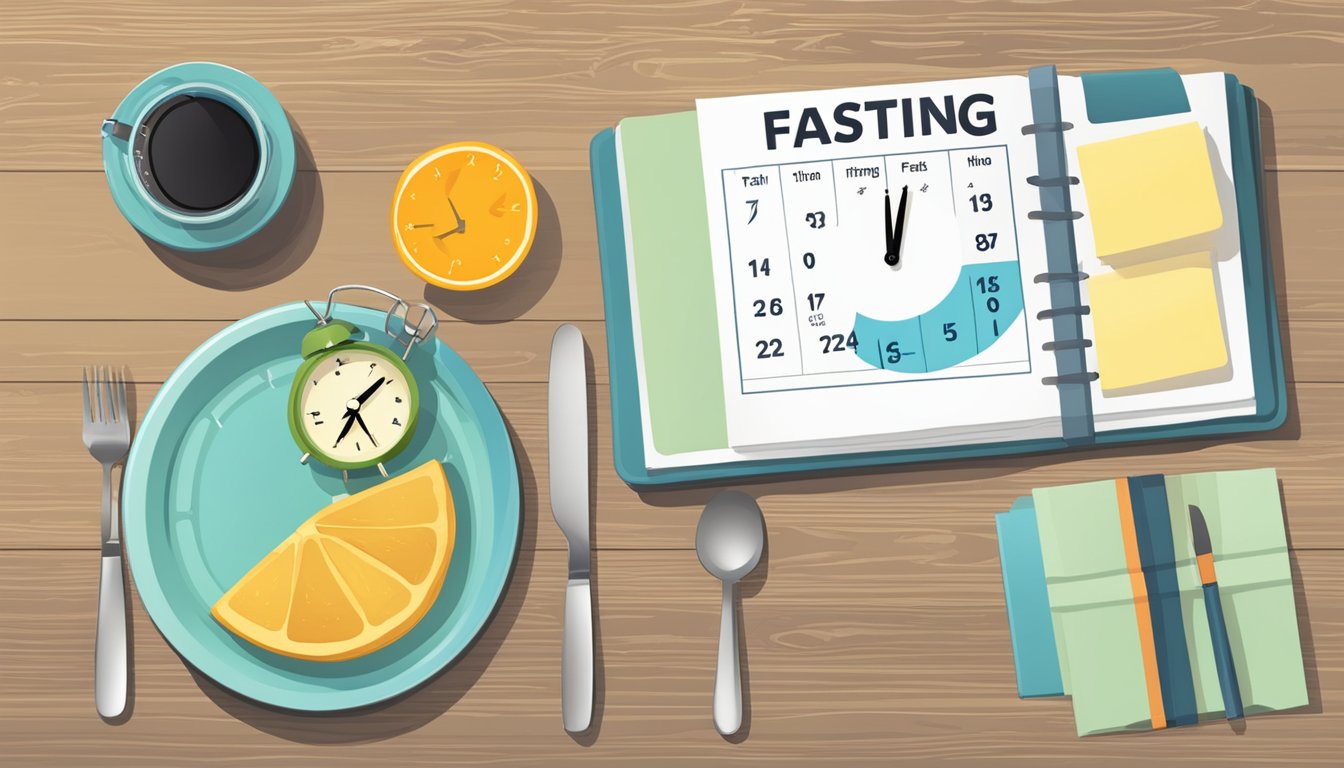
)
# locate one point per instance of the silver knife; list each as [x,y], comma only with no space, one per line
[568,443]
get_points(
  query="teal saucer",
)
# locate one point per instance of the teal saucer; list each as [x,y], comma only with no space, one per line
[238,222]
[213,483]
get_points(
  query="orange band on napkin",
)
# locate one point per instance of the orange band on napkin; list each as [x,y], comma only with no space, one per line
[1139,585]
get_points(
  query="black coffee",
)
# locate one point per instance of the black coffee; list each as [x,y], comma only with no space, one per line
[198,154]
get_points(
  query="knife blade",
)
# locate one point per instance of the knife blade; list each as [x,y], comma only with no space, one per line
[1213,606]
[567,438]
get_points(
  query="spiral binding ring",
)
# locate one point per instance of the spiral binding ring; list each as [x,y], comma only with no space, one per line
[1065,344]
[1027,130]
[1086,377]
[1046,314]
[1060,277]
[1061,198]
[1051,346]
[1056,181]
[1054,215]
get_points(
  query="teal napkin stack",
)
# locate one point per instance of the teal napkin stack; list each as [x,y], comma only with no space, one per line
[1105,603]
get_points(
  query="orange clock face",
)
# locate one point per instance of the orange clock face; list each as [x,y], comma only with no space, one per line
[464,216]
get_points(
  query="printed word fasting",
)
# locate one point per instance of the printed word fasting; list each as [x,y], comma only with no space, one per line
[908,117]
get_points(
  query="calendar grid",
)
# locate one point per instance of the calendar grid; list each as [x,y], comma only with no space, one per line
[788,249]
[805,232]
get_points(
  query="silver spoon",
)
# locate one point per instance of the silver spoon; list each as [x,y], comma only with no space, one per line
[729,540]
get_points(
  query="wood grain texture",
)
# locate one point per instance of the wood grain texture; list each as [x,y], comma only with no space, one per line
[897,656]
[50,486]
[43,351]
[332,230]
[372,85]
[558,282]
[875,630]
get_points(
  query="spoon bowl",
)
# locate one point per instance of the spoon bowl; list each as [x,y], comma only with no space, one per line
[730,537]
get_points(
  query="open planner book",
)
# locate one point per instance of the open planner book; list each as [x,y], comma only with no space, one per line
[922,271]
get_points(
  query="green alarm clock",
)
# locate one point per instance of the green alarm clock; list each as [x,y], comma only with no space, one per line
[355,403]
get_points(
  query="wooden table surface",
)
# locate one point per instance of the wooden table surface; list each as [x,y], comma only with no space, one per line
[875,632]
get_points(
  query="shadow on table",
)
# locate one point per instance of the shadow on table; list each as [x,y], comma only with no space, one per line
[418,707]
[1315,705]
[276,251]
[511,298]
[1273,240]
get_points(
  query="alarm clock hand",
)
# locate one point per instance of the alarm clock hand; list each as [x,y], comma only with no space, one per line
[350,417]
[369,393]
[352,414]
[365,427]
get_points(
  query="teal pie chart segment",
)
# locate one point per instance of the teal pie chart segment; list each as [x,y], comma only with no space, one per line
[983,304]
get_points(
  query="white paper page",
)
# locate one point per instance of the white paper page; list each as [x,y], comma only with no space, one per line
[654,459]
[948,344]
[1234,394]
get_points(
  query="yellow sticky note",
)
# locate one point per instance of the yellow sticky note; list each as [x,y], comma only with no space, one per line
[1156,321]
[1149,188]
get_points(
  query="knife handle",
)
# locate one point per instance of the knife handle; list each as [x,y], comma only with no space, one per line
[1222,653]
[576,657]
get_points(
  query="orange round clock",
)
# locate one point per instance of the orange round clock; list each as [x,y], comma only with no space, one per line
[464,216]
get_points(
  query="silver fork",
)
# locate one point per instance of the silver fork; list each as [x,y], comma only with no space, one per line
[107,435]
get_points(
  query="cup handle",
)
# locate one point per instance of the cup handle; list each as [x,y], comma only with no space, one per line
[116,129]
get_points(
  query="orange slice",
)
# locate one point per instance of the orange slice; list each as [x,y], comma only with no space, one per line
[354,577]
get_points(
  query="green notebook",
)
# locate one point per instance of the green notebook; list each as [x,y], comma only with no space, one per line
[1112,566]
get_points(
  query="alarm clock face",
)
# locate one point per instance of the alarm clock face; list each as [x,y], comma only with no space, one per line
[357,407]
[464,216]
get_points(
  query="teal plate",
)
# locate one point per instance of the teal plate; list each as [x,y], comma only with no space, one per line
[213,483]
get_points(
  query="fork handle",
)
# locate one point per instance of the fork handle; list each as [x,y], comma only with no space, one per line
[109,660]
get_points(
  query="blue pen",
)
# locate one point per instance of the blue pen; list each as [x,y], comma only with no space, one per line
[1222,647]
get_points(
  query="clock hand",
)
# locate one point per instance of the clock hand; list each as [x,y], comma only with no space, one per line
[369,392]
[352,414]
[350,417]
[459,228]
[365,427]
[890,257]
[898,232]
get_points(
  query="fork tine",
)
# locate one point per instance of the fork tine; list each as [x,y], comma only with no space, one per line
[87,413]
[98,393]
[121,393]
[110,416]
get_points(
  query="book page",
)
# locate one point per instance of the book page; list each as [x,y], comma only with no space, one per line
[873,265]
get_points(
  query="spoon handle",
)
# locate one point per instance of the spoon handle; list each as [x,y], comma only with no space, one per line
[728,676]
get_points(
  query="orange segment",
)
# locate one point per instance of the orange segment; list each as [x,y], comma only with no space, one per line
[265,597]
[320,612]
[408,551]
[380,593]
[398,505]
[337,591]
